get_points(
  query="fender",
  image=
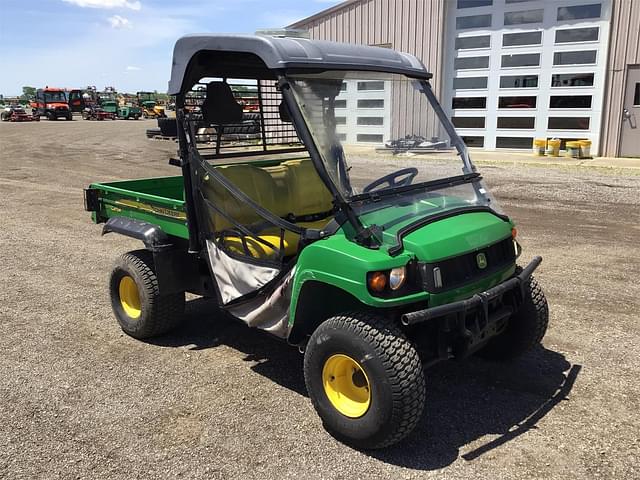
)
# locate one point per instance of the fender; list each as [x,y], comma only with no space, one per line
[152,236]
[177,270]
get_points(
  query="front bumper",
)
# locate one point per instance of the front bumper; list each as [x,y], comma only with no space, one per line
[479,301]
[464,326]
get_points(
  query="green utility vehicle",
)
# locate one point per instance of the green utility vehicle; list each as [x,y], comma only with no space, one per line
[375,265]
[129,111]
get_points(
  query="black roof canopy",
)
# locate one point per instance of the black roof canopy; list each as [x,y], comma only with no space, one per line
[257,56]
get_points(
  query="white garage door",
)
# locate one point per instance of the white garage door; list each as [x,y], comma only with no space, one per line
[523,69]
[363,111]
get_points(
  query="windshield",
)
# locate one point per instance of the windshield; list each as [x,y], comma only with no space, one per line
[383,142]
[55,97]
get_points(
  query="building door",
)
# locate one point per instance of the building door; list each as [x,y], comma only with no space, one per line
[519,70]
[630,145]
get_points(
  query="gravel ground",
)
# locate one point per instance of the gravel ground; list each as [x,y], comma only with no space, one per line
[78,399]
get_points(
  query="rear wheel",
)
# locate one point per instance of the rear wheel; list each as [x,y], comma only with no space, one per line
[526,327]
[140,309]
[364,379]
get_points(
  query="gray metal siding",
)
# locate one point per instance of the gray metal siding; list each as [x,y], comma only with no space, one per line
[412,26]
[624,49]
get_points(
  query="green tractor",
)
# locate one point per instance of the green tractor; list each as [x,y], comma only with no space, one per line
[108,101]
[374,265]
[148,103]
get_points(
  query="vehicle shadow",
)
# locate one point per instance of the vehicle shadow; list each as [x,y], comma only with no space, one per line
[473,398]
[206,326]
[466,400]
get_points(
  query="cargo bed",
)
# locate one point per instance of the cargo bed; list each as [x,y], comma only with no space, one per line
[159,201]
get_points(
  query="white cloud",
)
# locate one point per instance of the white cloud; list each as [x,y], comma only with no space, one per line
[133,5]
[131,68]
[119,22]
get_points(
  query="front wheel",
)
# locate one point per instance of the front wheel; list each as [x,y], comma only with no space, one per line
[526,327]
[140,309]
[364,379]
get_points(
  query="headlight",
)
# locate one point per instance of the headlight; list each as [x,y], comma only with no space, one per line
[397,276]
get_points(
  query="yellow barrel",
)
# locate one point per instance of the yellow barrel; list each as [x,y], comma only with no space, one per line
[573,149]
[585,148]
[539,146]
[553,147]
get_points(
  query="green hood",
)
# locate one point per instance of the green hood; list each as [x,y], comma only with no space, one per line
[451,236]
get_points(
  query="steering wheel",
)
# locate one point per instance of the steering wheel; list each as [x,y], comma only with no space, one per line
[396,179]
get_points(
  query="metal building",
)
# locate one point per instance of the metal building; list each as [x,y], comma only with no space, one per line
[507,71]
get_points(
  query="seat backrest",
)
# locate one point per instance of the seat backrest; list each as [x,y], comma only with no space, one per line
[307,194]
[253,181]
[220,106]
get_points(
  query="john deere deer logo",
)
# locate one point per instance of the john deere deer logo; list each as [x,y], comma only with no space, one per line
[481,260]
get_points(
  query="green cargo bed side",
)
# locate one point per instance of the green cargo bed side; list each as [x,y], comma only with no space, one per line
[159,201]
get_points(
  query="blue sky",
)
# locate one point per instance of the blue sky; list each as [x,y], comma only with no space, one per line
[122,43]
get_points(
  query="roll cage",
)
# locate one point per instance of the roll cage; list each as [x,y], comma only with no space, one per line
[265,60]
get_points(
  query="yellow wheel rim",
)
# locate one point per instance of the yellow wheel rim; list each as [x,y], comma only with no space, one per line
[129,297]
[346,385]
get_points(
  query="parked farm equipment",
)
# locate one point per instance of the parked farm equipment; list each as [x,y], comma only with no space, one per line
[16,113]
[148,102]
[52,103]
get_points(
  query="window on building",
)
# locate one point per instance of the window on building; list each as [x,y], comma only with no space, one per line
[521,60]
[469,63]
[341,120]
[583,57]
[569,123]
[370,121]
[524,38]
[473,141]
[517,122]
[343,87]
[589,34]
[474,3]
[572,80]
[340,104]
[370,86]
[479,41]
[468,102]
[570,101]
[579,12]
[519,81]
[469,83]
[342,137]
[636,96]
[369,138]
[517,102]
[473,21]
[366,103]
[526,16]
[468,122]
[514,142]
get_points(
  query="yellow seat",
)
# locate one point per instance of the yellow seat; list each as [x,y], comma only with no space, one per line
[307,194]
[260,187]
[291,188]
[255,248]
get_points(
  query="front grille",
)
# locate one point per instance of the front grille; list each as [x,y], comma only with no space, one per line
[458,271]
